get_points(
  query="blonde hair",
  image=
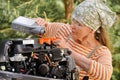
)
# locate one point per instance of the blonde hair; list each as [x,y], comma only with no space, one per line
[101,35]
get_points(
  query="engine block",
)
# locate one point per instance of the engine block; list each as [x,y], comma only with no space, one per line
[36,57]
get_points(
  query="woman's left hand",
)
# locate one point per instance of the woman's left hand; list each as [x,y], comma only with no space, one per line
[60,42]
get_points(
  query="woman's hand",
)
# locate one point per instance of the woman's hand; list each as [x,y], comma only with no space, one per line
[60,42]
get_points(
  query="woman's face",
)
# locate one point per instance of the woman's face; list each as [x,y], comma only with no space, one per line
[79,31]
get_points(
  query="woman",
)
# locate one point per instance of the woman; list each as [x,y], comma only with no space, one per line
[86,38]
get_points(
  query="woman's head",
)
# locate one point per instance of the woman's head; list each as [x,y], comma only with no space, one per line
[95,15]
[79,31]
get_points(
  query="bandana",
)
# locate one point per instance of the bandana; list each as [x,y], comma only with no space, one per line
[93,14]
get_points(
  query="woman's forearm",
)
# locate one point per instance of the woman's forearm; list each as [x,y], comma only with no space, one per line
[81,61]
[100,70]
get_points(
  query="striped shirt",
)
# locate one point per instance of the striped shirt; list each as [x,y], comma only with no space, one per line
[101,61]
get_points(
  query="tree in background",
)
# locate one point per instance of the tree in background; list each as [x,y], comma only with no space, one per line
[69,4]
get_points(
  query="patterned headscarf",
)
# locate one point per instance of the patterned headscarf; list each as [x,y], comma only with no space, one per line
[93,14]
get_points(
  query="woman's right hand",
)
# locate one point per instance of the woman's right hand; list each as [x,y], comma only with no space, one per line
[41,21]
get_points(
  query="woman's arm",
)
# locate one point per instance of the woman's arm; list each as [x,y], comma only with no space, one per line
[100,70]
[53,29]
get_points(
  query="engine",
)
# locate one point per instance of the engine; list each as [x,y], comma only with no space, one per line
[36,57]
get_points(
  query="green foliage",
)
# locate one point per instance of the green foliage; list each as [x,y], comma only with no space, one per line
[7,33]
[51,10]
[114,5]
[115,38]
[116,64]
